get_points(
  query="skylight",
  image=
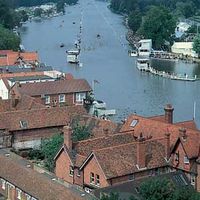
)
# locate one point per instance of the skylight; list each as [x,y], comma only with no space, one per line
[134,122]
[23,124]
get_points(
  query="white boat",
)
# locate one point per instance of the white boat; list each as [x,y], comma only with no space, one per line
[143,64]
[133,53]
[72,56]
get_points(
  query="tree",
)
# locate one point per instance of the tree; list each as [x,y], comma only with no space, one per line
[157,189]
[196,44]
[49,148]
[159,24]
[80,132]
[60,6]
[8,40]
[135,20]
[111,196]
[38,12]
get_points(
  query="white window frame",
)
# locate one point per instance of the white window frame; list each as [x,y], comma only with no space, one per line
[47,99]
[79,97]
[186,160]
[71,170]
[28,197]
[79,173]
[97,180]
[92,181]
[192,179]
[19,194]
[61,98]
[3,184]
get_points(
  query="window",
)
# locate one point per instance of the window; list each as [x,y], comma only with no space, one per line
[71,171]
[47,99]
[186,160]
[61,98]
[3,184]
[131,177]
[134,122]
[192,179]
[92,177]
[80,97]
[23,124]
[97,179]
[78,173]
[177,156]
[28,197]
[19,194]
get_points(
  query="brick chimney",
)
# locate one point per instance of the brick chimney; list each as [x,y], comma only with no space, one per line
[167,145]
[182,133]
[14,99]
[141,152]
[169,113]
[67,131]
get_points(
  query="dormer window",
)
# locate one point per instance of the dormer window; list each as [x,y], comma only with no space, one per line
[186,160]
[23,124]
[19,194]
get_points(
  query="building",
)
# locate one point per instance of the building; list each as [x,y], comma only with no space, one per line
[56,93]
[145,47]
[184,48]
[111,159]
[18,180]
[132,188]
[24,129]
[10,58]
[184,140]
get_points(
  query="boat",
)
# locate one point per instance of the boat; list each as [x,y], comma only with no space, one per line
[72,56]
[62,45]
[133,53]
[98,36]
[143,64]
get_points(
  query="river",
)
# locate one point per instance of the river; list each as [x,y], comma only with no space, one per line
[106,59]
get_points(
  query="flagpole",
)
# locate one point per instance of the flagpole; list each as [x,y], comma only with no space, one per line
[194,113]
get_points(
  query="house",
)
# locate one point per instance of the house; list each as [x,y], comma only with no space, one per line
[145,47]
[9,58]
[184,48]
[184,140]
[111,159]
[56,93]
[18,180]
[24,129]
[132,188]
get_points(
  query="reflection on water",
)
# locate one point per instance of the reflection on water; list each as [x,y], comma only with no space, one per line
[177,67]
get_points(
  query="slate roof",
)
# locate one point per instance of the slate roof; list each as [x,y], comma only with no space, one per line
[131,188]
[54,87]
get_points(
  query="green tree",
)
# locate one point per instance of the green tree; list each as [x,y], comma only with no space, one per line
[111,196]
[38,12]
[159,24]
[135,20]
[80,132]
[49,148]
[8,40]
[196,44]
[60,6]
[157,189]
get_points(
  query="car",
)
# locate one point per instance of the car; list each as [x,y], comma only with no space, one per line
[99,104]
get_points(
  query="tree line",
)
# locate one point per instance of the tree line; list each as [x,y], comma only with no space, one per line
[156,19]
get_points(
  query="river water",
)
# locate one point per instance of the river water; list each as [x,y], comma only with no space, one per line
[106,59]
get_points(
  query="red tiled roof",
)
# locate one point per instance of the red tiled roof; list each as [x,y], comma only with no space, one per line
[9,57]
[39,118]
[33,183]
[54,87]
[187,124]
[156,129]
[121,160]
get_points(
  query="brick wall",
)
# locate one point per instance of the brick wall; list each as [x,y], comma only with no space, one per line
[78,177]
[62,168]
[92,166]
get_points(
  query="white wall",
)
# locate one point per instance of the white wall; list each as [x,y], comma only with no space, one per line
[4,93]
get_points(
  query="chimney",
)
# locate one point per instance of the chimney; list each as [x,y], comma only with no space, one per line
[141,152]
[182,134]
[167,145]
[106,132]
[169,113]
[67,131]
[14,99]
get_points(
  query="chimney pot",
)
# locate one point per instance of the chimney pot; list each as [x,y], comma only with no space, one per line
[169,113]
[67,131]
